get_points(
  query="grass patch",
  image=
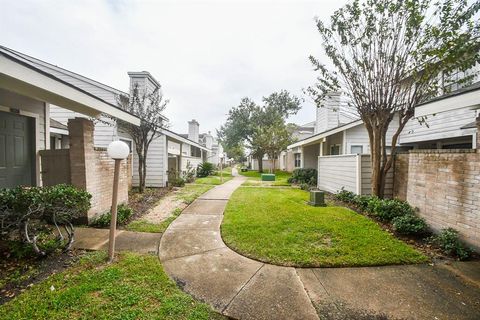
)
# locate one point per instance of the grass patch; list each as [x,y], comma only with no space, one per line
[190,192]
[254,179]
[277,226]
[215,179]
[134,287]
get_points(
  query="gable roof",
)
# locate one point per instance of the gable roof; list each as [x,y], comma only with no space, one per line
[30,76]
[326,133]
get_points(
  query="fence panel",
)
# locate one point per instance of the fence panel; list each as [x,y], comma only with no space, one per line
[55,167]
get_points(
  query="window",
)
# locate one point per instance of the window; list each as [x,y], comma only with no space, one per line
[356,149]
[298,160]
[335,149]
[195,152]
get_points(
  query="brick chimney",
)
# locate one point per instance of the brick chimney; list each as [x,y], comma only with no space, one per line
[193,130]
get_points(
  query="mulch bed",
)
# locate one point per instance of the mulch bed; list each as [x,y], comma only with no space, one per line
[30,271]
[142,202]
[421,243]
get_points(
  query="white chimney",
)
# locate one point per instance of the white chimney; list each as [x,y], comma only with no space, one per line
[144,80]
[193,128]
[328,115]
[209,140]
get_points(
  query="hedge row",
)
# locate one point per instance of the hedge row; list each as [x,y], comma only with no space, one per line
[402,216]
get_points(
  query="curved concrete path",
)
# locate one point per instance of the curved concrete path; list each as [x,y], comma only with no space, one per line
[194,255]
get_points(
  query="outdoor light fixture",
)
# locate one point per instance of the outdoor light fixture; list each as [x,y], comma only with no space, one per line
[118,151]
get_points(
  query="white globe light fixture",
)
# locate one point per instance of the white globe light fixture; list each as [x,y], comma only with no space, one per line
[117,150]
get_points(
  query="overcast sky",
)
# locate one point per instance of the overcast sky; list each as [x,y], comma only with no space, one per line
[206,54]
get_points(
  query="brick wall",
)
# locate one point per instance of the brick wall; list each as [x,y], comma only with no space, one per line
[445,186]
[92,169]
[400,176]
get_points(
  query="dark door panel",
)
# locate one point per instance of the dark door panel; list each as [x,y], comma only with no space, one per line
[17,150]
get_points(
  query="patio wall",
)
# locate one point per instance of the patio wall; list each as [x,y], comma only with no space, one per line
[352,172]
[88,168]
[445,186]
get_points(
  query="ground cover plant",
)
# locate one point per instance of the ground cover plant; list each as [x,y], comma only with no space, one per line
[133,287]
[401,217]
[276,225]
[254,178]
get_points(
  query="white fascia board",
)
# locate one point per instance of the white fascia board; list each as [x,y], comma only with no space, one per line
[59,131]
[27,81]
[318,138]
[179,138]
[470,99]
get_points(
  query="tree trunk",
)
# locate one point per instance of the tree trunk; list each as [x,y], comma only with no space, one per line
[260,163]
[141,185]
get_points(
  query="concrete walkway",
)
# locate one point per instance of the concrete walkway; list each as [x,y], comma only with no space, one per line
[97,239]
[194,255]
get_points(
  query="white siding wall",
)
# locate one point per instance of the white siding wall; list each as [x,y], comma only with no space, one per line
[440,126]
[366,170]
[105,129]
[194,162]
[335,172]
[156,164]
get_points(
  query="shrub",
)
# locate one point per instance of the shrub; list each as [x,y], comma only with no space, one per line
[308,176]
[409,224]
[305,186]
[177,182]
[124,212]
[387,209]
[205,169]
[450,243]
[345,196]
[189,174]
[362,201]
[33,210]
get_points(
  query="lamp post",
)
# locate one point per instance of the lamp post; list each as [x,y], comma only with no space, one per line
[117,150]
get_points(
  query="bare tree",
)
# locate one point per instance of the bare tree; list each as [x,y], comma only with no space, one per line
[389,56]
[148,106]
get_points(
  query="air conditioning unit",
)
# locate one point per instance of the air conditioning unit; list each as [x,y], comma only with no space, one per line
[317,198]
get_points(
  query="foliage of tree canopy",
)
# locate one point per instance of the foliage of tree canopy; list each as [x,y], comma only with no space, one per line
[148,106]
[390,55]
[261,128]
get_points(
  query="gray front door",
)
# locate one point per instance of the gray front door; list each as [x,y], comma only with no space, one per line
[16,150]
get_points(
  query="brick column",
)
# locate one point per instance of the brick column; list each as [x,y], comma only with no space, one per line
[81,154]
[81,144]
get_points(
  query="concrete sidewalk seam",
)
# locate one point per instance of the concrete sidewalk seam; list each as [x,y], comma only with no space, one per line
[195,254]
[243,287]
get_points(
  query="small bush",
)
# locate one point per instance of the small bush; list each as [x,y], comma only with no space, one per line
[177,182]
[205,169]
[362,201]
[409,224]
[124,213]
[31,214]
[305,186]
[345,196]
[387,209]
[189,174]
[451,244]
[300,176]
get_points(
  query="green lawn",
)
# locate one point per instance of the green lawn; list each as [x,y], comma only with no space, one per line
[277,226]
[134,287]
[254,178]
[216,178]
